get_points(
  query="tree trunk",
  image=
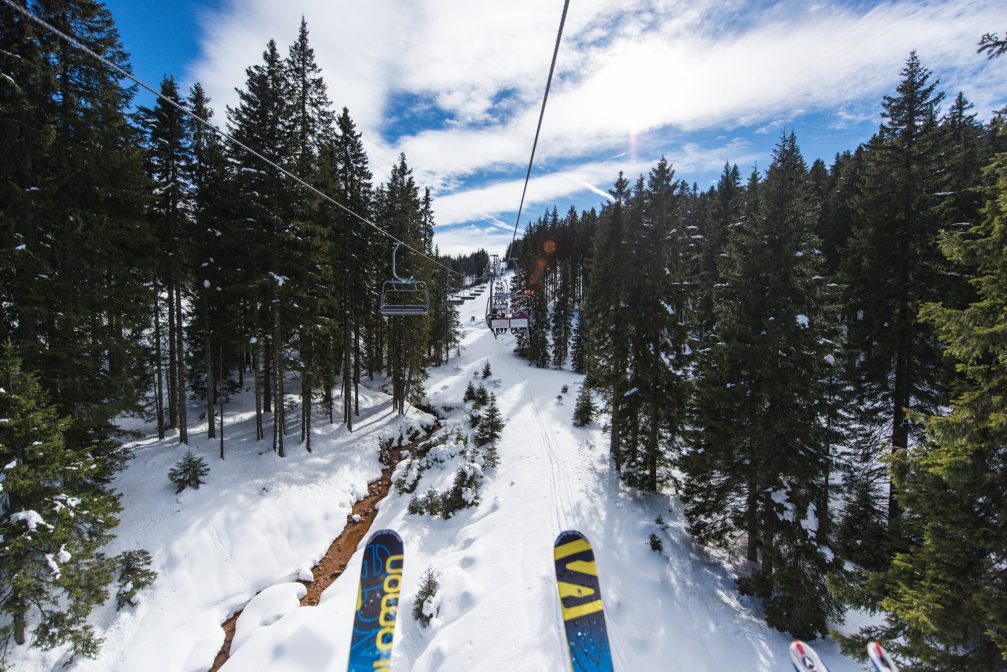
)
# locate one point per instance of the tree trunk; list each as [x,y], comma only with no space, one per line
[614,448]
[752,520]
[220,400]
[267,378]
[356,372]
[280,411]
[183,420]
[158,363]
[20,627]
[901,392]
[347,392]
[172,380]
[211,387]
[257,377]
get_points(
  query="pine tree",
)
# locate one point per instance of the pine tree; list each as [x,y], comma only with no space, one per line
[562,316]
[78,257]
[470,392]
[583,412]
[407,337]
[893,264]
[260,121]
[490,424]
[167,163]
[721,216]
[487,371]
[602,311]
[578,356]
[759,454]
[945,596]
[60,517]
[189,472]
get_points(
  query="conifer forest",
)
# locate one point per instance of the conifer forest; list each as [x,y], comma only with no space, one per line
[809,358]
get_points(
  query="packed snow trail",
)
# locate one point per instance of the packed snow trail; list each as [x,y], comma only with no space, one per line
[498,608]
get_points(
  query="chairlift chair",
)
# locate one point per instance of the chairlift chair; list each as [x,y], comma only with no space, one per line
[451,297]
[403,296]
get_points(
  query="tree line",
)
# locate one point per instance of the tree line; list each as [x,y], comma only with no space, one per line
[810,357]
[148,262]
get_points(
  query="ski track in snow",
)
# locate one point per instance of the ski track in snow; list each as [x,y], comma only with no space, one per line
[258,520]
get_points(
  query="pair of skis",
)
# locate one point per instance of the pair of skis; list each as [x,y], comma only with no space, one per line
[580,602]
[804,658]
[381,583]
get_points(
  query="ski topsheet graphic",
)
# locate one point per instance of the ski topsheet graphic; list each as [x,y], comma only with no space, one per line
[580,599]
[377,603]
[881,661]
[804,658]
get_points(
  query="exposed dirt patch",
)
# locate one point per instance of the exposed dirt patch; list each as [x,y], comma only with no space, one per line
[333,563]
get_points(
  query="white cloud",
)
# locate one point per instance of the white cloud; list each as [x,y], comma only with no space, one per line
[632,77]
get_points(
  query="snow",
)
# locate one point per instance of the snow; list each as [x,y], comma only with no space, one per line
[803,321]
[53,566]
[260,521]
[830,360]
[30,518]
[266,608]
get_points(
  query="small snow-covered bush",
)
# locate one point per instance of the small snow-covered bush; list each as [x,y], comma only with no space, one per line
[189,472]
[135,574]
[425,607]
[444,475]
[655,543]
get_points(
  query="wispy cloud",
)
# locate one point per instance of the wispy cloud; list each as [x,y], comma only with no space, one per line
[633,77]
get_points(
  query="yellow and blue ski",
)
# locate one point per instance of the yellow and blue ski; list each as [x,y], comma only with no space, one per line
[377,603]
[580,600]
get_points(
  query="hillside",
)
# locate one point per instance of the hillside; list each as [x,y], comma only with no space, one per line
[261,521]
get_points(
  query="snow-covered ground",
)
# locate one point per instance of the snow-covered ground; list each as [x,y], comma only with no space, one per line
[259,521]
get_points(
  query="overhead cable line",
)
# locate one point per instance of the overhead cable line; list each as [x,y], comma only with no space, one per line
[72,41]
[538,129]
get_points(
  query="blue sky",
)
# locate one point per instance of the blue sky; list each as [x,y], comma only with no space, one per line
[457,84]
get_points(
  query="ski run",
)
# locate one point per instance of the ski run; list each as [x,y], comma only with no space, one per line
[258,525]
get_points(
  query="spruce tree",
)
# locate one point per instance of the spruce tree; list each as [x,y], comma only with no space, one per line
[59,517]
[260,121]
[167,163]
[583,412]
[490,424]
[945,595]
[602,311]
[893,265]
[78,257]
[759,454]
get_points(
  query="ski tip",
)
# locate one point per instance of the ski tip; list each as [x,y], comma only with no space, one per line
[804,658]
[569,535]
[386,533]
[881,661]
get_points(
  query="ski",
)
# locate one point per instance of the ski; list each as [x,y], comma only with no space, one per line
[804,658]
[881,661]
[580,601]
[377,603]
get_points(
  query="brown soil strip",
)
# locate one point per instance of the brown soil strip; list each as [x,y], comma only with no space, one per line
[333,563]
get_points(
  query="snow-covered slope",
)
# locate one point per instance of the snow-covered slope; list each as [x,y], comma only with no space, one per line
[260,520]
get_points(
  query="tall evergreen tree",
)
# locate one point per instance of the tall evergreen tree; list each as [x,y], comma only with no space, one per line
[78,254]
[167,162]
[260,122]
[894,266]
[59,518]
[602,310]
[759,455]
[945,596]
